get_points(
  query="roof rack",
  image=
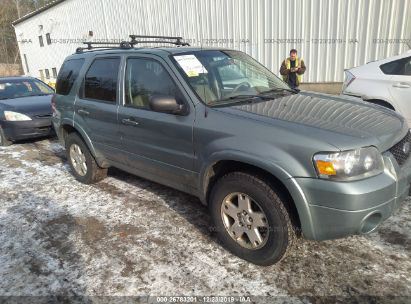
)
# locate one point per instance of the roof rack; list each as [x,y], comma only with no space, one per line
[133,41]
[165,39]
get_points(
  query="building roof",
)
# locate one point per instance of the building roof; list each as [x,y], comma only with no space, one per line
[37,11]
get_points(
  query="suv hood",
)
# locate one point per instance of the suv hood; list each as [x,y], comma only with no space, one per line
[344,122]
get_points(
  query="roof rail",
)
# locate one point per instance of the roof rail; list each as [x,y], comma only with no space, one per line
[163,39]
[121,45]
[130,44]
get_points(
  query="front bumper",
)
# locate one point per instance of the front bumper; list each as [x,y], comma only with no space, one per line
[332,210]
[19,130]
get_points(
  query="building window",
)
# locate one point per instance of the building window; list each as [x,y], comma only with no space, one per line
[41,41]
[54,72]
[48,39]
[25,62]
[41,75]
[47,73]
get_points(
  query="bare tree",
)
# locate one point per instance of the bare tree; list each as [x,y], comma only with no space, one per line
[11,10]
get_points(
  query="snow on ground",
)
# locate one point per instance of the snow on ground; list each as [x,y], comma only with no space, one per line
[129,236]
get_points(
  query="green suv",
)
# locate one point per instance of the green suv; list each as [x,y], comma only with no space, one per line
[272,163]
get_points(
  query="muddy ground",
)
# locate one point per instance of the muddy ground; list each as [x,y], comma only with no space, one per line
[128,236]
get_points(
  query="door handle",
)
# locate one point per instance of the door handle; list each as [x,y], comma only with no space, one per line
[130,122]
[83,112]
[401,85]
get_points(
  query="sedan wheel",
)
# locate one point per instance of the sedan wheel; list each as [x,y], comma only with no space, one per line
[3,140]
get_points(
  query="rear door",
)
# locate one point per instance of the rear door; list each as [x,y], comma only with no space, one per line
[97,104]
[66,92]
[159,145]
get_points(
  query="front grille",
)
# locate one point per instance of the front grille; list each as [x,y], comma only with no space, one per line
[398,150]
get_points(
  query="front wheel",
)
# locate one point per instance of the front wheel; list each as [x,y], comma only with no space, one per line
[84,166]
[251,219]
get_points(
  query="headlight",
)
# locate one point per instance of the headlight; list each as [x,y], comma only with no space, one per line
[349,165]
[14,116]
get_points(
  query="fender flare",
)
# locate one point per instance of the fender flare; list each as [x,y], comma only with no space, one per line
[370,99]
[272,168]
[100,159]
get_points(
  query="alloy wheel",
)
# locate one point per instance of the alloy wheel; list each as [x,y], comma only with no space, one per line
[245,220]
[78,159]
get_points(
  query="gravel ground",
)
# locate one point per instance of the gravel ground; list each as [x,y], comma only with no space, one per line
[126,236]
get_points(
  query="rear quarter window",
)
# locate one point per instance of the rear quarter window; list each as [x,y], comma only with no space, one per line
[68,75]
[398,67]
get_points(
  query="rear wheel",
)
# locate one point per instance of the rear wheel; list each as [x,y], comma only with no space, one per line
[3,140]
[83,165]
[251,219]
[381,103]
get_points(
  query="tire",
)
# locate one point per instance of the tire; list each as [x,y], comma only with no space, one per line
[3,140]
[279,233]
[83,165]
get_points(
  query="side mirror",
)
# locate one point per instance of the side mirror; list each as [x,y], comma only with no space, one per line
[167,104]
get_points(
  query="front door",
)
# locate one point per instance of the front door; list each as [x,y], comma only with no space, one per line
[159,145]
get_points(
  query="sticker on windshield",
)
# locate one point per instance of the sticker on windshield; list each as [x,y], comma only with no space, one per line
[191,65]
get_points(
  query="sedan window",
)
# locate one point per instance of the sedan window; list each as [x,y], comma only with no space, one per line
[16,88]
[408,68]
[398,67]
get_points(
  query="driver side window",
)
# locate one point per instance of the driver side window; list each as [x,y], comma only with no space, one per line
[146,78]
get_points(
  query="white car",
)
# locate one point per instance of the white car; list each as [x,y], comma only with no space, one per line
[386,82]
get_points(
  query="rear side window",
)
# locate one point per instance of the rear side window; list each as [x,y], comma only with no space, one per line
[397,67]
[100,82]
[68,74]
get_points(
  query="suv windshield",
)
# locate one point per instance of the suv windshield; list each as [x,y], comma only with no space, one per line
[15,88]
[225,77]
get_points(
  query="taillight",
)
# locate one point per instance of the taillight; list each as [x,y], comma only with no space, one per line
[53,103]
[349,78]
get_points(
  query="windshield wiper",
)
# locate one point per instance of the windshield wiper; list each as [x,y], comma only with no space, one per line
[42,94]
[278,90]
[23,96]
[244,97]
[238,99]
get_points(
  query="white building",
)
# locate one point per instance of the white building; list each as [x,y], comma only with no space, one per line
[330,35]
